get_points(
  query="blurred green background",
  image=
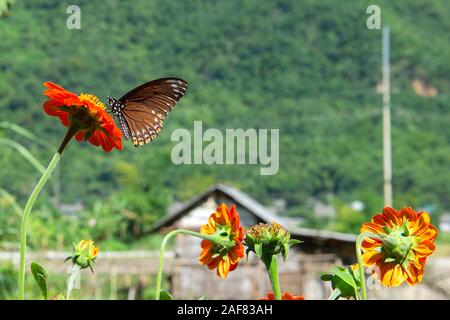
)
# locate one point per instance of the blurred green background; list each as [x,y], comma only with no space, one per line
[310,68]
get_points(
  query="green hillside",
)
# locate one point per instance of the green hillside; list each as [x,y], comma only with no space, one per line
[309,68]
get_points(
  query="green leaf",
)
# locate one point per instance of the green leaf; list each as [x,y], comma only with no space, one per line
[285,251]
[293,242]
[326,277]
[258,249]
[346,276]
[343,281]
[165,295]
[40,275]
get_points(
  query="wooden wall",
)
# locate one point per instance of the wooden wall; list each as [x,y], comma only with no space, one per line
[125,275]
[300,273]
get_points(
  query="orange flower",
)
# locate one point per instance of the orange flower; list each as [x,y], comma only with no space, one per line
[224,253]
[86,113]
[285,296]
[404,241]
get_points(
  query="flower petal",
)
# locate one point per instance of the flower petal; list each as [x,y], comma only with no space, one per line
[392,216]
[424,249]
[372,257]
[372,228]
[380,219]
[422,224]
[430,234]
[370,243]
[223,268]
[408,214]
[391,275]
[53,108]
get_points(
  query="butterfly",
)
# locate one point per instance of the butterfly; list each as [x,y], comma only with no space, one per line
[141,111]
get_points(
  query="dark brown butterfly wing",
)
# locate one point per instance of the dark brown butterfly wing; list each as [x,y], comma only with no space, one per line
[146,107]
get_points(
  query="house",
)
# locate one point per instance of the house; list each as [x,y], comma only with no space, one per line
[319,251]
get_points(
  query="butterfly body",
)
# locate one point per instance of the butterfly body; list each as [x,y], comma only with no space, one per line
[115,106]
[141,112]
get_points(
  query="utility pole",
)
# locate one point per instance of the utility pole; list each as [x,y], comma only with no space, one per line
[387,157]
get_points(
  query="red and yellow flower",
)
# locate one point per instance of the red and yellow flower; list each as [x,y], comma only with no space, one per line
[285,296]
[401,244]
[225,251]
[86,113]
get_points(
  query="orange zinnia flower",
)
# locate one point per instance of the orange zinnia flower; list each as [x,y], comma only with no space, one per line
[285,296]
[224,253]
[404,241]
[86,114]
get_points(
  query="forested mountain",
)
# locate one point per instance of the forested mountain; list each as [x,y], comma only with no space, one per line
[310,68]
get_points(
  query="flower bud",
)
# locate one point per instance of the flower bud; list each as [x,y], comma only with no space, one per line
[268,239]
[84,254]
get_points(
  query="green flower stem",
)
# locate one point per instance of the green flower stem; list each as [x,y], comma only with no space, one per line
[272,269]
[26,213]
[359,241]
[25,217]
[213,238]
[73,279]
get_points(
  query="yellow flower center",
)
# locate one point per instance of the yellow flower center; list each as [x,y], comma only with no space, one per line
[93,99]
[268,231]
